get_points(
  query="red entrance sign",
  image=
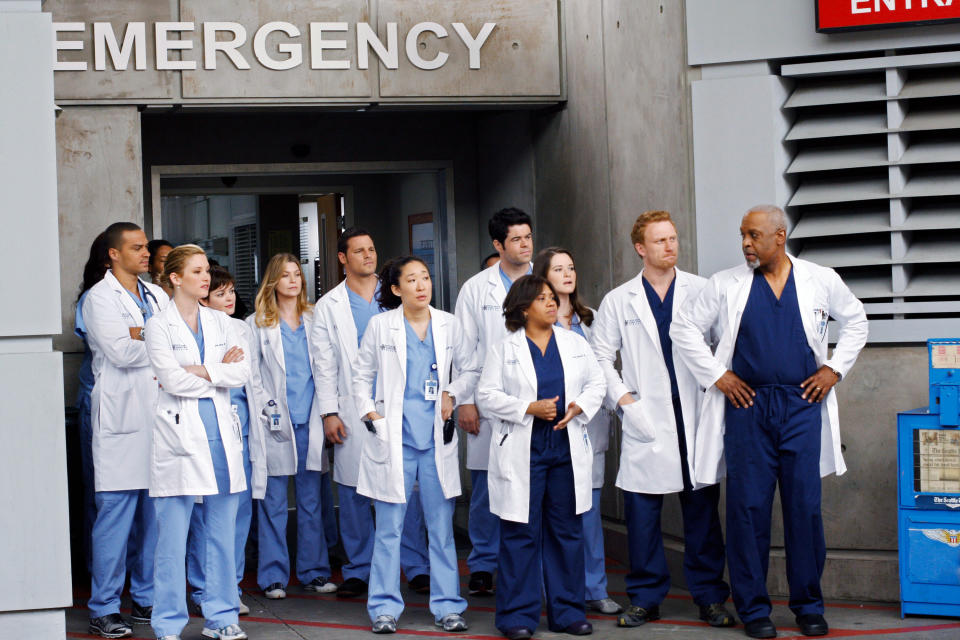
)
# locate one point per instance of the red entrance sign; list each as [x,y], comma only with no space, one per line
[840,15]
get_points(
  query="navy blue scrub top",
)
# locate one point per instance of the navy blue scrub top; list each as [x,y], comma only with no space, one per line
[418,412]
[208,413]
[772,346]
[663,315]
[549,370]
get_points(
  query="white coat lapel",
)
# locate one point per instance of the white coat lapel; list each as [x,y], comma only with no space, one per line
[438,327]
[182,334]
[641,305]
[496,292]
[804,285]
[738,302]
[346,330]
[398,337]
[521,351]
[679,292]
[126,301]
[273,345]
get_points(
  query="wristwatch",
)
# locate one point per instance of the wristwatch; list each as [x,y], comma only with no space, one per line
[327,415]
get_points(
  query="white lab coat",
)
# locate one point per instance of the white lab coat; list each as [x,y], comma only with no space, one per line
[335,352]
[124,393]
[649,453]
[820,292]
[258,420]
[598,428]
[383,354]
[280,447]
[180,461]
[507,387]
[480,310]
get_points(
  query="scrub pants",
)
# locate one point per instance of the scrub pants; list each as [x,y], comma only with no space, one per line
[649,578]
[549,545]
[594,558]
[195,542]
[274,558]
[357,532]
[119,513]
[483,526]
[220,601]
[329,514]
[777,440]
[384,595]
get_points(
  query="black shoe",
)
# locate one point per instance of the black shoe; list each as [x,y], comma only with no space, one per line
[140,615]
[112,626]
[760,628]
[812,624]
[518,633]
[716,615]
[420,583]
[579,628]
[635,616]
[193,607]
[481,584]
[351,588]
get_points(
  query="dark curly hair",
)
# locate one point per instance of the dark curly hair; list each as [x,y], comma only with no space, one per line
[521,295]
[389,276]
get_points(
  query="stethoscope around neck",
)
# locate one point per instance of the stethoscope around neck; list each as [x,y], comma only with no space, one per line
[147,294]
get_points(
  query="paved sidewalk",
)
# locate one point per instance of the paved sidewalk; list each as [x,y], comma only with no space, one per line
[304,616]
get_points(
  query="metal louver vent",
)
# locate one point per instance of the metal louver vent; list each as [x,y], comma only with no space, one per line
[875,144]
[245,266]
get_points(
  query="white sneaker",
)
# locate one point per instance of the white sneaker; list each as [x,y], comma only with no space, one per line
[275,592]
[168,637]
[320,585]
[244,610]
[230,632]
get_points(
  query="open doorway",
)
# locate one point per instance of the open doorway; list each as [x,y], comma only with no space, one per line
[242,219]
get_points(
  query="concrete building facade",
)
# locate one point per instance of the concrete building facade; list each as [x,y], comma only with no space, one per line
[582,112]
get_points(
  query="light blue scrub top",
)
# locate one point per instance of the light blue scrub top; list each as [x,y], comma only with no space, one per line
[85,375]
[296,357]
[238,398]
[507,282]
[418,413]
[575,325]
[208,413]
[362,310]
[143,301]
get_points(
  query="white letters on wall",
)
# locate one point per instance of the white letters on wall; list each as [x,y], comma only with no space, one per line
[414,56]
[293,49]
[366,37]
[165,44]
[67,45]
[229,47]
[134,42]
[318,45]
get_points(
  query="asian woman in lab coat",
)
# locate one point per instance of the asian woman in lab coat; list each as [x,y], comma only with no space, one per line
[197,448]
[555,265]
[542,384]
[407,354]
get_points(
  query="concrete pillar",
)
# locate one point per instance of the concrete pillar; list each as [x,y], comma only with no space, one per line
[35,539]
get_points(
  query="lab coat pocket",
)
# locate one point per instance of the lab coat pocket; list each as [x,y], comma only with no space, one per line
[377,447]
[170,433]
[636,425]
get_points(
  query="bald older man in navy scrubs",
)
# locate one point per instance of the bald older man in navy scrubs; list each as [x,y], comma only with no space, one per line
[770,409]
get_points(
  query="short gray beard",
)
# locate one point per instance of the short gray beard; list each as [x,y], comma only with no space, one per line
[753,264]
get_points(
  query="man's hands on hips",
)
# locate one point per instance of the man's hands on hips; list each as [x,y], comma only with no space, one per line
[737,391]
[468,418]
[817,386]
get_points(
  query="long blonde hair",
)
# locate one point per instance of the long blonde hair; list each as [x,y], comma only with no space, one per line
[268,314]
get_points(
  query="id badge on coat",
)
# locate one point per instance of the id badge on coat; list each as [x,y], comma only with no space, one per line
[431,386]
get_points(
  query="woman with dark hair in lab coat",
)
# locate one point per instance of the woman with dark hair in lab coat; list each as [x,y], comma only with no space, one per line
[542,384]
[407,353]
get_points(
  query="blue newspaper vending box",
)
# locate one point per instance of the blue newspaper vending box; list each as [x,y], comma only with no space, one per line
[928,444]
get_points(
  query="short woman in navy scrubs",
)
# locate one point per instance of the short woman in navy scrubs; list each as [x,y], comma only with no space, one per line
[556,266]
[197,451]
[538,483]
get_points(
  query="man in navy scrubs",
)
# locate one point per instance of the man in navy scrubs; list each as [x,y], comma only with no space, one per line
[770,384]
